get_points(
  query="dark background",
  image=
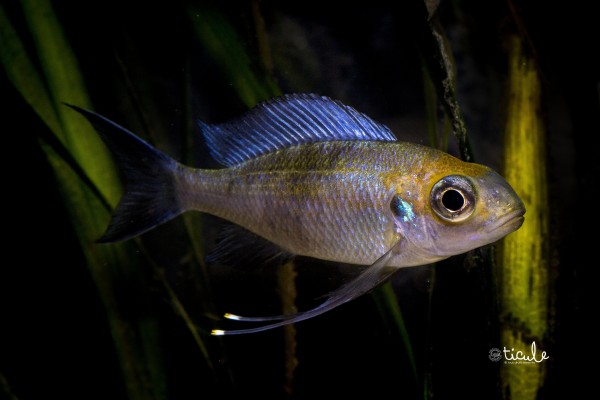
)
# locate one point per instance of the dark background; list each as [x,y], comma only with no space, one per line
[54,337]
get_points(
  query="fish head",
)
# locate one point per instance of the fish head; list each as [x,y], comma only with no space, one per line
[453,207]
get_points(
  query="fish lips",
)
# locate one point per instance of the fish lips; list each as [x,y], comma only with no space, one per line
[500,196]
[508,223]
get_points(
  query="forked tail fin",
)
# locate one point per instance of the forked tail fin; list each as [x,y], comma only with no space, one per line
[150,197]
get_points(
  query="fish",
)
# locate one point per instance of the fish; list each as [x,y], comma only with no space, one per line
[306,175]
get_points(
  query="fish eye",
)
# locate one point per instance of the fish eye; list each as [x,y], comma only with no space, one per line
[453,198]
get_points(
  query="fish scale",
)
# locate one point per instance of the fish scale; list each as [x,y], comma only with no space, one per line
[322,208]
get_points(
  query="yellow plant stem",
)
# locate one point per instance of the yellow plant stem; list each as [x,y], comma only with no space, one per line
[523,266]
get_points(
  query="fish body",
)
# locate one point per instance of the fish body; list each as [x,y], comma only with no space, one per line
[313,177]
[332,200]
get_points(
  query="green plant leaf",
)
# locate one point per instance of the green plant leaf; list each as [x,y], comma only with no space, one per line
[59,80]
[222,42]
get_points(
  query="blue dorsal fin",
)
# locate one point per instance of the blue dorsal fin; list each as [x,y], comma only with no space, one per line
[287,121]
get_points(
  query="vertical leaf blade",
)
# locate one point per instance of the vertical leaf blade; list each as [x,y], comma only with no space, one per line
[524,266]
[60,80]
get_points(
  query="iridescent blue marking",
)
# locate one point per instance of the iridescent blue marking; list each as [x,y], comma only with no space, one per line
[402,209]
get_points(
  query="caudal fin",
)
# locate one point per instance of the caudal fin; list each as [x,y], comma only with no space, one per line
[150,197]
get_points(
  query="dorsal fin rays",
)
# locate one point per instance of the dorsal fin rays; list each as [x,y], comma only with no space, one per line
[270,141]
[373,276]
[287,121]
[313,120]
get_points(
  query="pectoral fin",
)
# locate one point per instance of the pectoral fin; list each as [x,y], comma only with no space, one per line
[373,276]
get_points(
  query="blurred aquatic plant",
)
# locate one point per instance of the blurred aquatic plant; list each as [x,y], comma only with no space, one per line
[524,266]
[88,182]
[220,39]
[440,74]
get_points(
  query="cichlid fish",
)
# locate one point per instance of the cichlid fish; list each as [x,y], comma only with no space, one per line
[307,175]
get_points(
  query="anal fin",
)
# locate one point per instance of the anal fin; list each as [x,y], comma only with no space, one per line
[372,277]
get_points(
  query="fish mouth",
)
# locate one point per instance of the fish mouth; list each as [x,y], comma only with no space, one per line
[509,222]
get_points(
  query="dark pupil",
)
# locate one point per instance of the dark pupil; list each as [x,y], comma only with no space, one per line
[453,200]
